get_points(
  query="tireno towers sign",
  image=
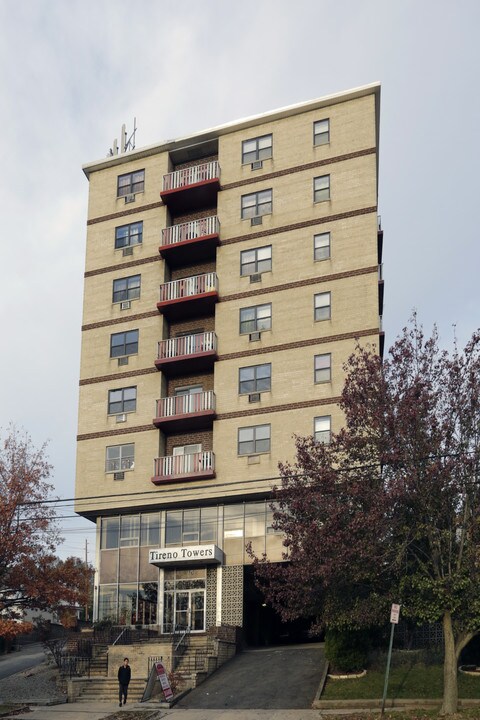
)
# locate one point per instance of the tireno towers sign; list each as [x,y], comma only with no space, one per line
[186,555]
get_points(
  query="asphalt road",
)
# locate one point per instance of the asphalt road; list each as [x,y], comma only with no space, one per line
[284,677]
[29,656]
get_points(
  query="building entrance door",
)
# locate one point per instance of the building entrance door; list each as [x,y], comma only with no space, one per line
[184,600]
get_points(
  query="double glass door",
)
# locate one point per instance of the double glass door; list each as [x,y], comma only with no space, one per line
[184,600]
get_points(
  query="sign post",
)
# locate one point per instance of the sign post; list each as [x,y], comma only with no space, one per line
[394,618]
[164,681]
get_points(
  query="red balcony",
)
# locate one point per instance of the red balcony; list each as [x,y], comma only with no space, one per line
[190,242]
[173,468]
[179,413]
[189,353]
[192,187]
[189,297]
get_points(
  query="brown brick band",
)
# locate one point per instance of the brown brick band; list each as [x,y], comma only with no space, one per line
[299,343]
[122,266]
[118,376]
[301,283]
[117,321]
[120,431]
[279,408]
[299,168]
[123,213]
[300,225]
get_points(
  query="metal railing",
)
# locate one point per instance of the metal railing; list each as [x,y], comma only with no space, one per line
[187,345]
[174,465]
[191,175]
[185,404]
[74,666]
[180,639]
[191,230]
[187,287]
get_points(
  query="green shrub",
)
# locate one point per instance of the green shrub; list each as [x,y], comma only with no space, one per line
[346,650]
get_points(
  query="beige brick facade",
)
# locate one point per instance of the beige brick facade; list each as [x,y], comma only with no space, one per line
[205,465]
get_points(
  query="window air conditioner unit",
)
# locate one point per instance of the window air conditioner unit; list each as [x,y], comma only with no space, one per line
[257,220]
[123,360]
[125,305]
[127,251]
[254,336]
[130,198]
[119,476]
[256,277]
[254,397]
[121,418]
[257,165]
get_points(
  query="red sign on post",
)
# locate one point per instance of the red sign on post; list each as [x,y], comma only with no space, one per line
[164,681]
[395,614]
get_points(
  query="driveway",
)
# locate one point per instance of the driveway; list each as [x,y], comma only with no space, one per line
[284,677]
[29,656]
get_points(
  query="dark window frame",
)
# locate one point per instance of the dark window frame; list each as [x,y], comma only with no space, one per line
[317,315]
[321,194]
[134,185]
[255,320]
[257,153]
[322,436]
[260,206]
[321,137]
[130,235]
[321,247]
[125,404]
[256,262]
[255,441]
[326,369]
[258,383]
[131,290]
[125,344]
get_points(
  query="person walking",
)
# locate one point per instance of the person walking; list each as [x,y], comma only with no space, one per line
[124,676]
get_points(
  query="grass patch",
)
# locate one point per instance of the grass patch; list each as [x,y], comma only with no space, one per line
[407,681]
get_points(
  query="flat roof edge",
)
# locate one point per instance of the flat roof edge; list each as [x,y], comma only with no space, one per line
[205,135]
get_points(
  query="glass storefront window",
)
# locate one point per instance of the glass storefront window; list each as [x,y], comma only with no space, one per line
[254,520]
[110,532]
[107,603]
[233,521]
[130,530]
[147,603]
[150,529]
[173,532]
[191,526]
[127,604]
[208,525]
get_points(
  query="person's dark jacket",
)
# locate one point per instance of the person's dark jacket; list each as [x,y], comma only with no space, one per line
[124,674]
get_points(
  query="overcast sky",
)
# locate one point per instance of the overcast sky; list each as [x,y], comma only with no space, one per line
[72,71]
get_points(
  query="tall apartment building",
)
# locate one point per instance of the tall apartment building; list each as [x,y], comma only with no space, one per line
[228,277]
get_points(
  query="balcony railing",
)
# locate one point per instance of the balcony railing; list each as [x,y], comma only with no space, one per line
[180,347]
[176,405]
[171,466]
[191,230]
[191,176]
[189,287]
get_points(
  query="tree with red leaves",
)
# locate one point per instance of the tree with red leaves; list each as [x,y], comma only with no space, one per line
[32,577]
[390,508]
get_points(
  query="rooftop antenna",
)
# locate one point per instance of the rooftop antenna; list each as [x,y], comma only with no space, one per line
[126,144]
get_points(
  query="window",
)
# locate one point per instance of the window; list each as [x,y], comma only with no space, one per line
[322,306]
[129,530]
[124,343]
[321,246]
[122,401]
[150,529]
[255,318]
[131,183]
[254,439]
[321,188]
[259,148]
[191,526]
[259,203]
[321,132]
[323,368]
[322,429]
[126,288]
[256,378]
[256,261]
[120,457]
[127,235]
[110,533]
